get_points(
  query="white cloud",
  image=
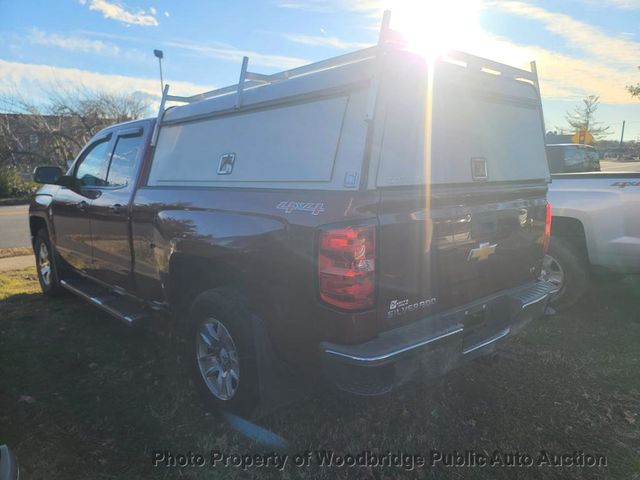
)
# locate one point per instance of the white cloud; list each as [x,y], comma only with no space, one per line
[76,44]
[599,64]
[230,53]
[627,4]
[311,5]
[166,14]
[117,11]
[623,4]
[217,50]
[114,36]
[579,35]
[561,76]
[328,6]
[325,41]
[30,79]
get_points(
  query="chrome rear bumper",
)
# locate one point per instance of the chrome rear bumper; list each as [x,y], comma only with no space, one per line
[435,344]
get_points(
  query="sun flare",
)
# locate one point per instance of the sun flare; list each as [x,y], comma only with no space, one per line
[433,27]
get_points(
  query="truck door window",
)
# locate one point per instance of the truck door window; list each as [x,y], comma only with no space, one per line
[573,156]
[93,167]
[124,161]
[592,154]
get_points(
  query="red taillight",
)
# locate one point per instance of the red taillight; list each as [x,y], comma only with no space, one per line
[346,267]
[547,229]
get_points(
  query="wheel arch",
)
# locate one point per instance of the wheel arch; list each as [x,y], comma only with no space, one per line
[572,230]
[190,275]
[35,224]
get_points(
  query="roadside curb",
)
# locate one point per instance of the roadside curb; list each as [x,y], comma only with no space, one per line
[7,202]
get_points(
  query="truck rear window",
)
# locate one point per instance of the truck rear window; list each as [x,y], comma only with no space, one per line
[475,116]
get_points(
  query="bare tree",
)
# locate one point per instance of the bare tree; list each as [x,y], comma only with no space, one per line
[583,117]
[54,130]
[634,90]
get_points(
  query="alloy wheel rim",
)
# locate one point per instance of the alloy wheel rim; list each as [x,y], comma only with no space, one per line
[44,264]
[217,358]
[553,273]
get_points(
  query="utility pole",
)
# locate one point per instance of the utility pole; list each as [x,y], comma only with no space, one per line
[622,134]
[159,54]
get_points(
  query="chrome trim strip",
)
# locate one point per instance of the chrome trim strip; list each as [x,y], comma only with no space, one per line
[488,341]
[539,299]
[459,329]
[400,351]
[98,303]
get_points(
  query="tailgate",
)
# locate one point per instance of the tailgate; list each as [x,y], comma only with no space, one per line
[463,176]
[465,246]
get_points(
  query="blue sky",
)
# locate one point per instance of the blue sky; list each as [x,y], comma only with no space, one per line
[581,46]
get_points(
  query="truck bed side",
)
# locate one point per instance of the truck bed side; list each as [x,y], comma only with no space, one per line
[606,205]
[186,238]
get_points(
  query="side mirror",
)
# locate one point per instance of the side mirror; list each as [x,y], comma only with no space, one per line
[47,174]
[66,181]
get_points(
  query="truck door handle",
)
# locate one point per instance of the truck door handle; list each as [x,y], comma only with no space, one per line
[82,206]
[116,208]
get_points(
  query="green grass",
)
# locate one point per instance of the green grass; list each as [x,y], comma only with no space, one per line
[82,396]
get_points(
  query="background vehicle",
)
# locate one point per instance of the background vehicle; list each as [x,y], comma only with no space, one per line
[304,220]
[596,228]
[569,158]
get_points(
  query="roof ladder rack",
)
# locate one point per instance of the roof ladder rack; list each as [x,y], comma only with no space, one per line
[251,79]
[248,80]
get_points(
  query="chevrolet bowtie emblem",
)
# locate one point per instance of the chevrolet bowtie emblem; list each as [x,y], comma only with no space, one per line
[482,252]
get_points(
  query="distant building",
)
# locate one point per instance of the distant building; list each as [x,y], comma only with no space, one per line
[553,137]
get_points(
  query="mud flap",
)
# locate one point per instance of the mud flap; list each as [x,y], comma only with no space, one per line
[278,384]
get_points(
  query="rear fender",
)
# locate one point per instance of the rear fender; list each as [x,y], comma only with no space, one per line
[205,249]
[599,212]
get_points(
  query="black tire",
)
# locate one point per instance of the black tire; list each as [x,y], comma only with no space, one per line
[229,309]
[574,265]
[50,281]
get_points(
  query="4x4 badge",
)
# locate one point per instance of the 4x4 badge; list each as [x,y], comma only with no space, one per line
[482,252]
[311,207]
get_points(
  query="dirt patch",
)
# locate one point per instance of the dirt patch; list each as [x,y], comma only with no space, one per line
[15,252]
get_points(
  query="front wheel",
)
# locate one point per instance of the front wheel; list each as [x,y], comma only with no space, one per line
[46,265]
[567,269]
[222,351]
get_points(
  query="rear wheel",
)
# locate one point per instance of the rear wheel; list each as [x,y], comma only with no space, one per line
[46,265]
[222,351]
[566,267]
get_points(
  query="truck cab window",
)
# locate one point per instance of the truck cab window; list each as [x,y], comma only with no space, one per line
[92,169]
[124,161]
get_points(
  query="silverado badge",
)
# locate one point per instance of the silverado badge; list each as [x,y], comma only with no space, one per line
[482,252]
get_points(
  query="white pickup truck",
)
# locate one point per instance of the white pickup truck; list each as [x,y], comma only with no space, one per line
[596,228]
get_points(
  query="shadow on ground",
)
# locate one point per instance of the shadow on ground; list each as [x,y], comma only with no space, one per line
[83,396]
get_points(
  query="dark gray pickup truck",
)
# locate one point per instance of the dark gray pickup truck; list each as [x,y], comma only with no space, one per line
[372,217]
